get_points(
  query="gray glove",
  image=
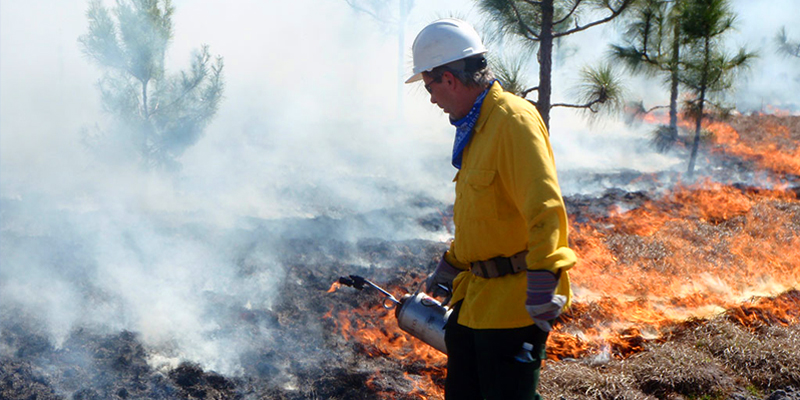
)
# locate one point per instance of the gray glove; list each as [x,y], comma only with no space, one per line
[541,303]
[442,275]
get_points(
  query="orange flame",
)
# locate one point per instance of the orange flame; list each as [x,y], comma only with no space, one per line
[334,287]
[779,154]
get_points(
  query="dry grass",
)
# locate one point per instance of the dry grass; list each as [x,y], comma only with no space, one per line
[663,372]
[705,359]
[768,358]
[578,381]
[679,368]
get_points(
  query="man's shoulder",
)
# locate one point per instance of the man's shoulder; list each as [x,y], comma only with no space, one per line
[513,115]
[507,112]
[512,109]
[511,104]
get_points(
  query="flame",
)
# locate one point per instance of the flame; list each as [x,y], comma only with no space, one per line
[770,109]
[769,143]
[779,153]
[781,310]
[334,287]
[698,251]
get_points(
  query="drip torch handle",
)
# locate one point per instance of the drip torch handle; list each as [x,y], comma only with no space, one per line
[358,282]
[390,301]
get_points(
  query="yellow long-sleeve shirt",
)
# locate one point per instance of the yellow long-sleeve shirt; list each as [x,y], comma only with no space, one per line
[507,200]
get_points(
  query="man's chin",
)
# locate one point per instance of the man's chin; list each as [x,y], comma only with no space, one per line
[454,117]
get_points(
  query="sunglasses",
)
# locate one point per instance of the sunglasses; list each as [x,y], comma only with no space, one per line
[428,85]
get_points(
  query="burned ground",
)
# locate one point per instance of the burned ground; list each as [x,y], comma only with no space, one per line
[307,358]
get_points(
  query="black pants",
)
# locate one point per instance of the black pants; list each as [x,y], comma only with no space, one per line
[481,364]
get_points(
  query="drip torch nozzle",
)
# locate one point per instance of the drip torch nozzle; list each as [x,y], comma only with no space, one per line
[357,283]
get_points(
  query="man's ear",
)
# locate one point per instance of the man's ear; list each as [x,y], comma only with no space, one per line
[448,78]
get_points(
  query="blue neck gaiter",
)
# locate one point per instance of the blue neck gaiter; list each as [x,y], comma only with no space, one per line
[464,128]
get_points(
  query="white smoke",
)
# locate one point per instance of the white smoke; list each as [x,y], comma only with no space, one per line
[307,129]
[774,80]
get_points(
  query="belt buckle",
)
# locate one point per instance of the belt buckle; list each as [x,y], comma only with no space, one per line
[484,269]
[503,266]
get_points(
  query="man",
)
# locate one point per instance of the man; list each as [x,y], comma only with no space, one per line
[507,265]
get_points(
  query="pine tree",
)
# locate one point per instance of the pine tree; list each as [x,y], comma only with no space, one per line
[653,47]
[708,70]
[156,116]
[540,24]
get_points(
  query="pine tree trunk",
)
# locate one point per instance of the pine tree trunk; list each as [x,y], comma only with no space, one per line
[703,87]
[545,62]
[698,124]
[673,95]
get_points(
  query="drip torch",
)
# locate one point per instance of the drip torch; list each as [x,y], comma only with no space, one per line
[420,315]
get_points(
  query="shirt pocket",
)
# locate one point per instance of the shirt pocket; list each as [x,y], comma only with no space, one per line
[478,194]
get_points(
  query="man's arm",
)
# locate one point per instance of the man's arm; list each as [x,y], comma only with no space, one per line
[527,168]
[528,171]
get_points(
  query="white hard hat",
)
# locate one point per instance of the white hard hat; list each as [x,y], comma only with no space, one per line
[442,42]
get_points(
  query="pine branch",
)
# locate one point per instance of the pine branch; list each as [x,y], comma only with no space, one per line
[569,14]
[522,24]
[614,14]
[655,108]
[586,106]
[527,91]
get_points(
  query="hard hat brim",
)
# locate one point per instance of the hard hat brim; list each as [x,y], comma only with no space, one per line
[414,78]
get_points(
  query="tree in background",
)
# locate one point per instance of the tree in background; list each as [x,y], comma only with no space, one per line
[540,23]
[382,11]
[786,45]
[157,117]
[508,67]
[653,47]
[708,69]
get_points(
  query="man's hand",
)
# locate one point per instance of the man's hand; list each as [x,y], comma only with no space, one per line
[442,275]
[541,304]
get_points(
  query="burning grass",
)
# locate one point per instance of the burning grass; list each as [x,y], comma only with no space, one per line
[694,252]
[769,141]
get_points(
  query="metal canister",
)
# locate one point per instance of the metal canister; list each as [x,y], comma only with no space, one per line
[423,317]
